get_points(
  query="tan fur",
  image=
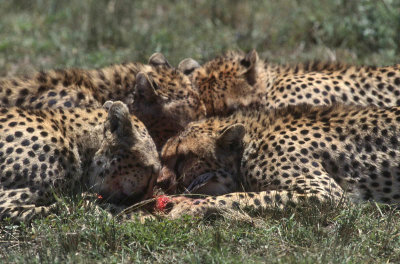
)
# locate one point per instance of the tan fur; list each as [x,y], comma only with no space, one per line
[172,105]
[236,79]
[43,152]
[322,153]
[71,87]
[166,102]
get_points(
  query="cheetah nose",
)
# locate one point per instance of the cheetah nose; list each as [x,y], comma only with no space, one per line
[167,181]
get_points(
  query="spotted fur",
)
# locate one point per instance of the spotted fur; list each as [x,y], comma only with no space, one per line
[166,102]
[163,99]
[70,88]
[279,157]
[236,79]
[43,152]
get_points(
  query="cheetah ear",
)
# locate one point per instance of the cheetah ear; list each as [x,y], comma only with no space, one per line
[187,66]
[231,137]
[144,87]
[158,59]
[107,105]
[250,62]
[119,120]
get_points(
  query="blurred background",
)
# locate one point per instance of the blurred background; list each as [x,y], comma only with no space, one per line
[45,34]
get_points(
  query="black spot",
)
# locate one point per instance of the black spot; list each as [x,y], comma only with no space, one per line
[304,160]
[304,132]
[52,102]
[52,94]
[387,190]
[9,150]
[8,174]
[25,142]
[42,157]
[291,149]
[46,148]
[52,159]
[304,151]
[19,101]
[81,96]
[12,124]
[63,93]
[43,167]
[317,173]
[24,92]
[317,135]
[66,83]
[394,140]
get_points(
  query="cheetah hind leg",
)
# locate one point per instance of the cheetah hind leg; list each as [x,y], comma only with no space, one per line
[21,205]
[18,205]
[256,202]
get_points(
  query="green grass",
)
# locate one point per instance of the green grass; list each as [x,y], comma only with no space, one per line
[46,34]
[323,234]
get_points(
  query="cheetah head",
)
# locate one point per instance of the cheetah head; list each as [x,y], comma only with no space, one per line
[205,154]
[165,100]
[225,82]
[125,167]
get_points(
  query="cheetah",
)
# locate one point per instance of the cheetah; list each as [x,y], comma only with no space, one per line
[258,158]
[157,93]
[236,79]
[69,88]
[166,102]
[43,151]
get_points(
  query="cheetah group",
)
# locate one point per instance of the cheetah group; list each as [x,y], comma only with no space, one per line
[239,132]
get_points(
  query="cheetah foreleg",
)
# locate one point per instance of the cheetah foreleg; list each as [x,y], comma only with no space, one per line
[256,202]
